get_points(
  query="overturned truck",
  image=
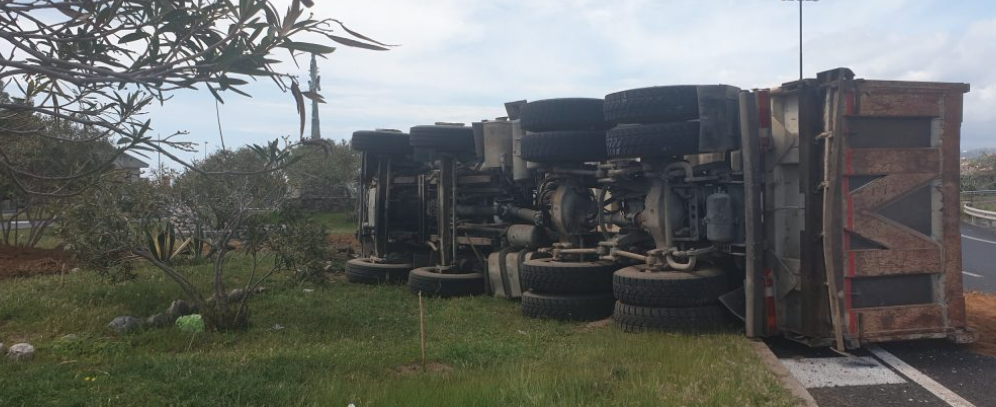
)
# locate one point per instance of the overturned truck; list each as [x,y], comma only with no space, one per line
[825,210]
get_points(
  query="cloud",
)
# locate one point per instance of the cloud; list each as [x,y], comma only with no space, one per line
[460,60]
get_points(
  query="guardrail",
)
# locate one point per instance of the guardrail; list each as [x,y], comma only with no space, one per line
[979,217]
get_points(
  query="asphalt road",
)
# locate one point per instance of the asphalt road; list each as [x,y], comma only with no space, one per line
[978,258]
[867,379]
[863,378]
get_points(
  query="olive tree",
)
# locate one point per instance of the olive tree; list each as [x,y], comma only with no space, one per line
[326,175]
[101,63]
[107,229]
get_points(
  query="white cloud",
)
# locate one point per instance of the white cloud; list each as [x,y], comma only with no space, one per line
[460,60]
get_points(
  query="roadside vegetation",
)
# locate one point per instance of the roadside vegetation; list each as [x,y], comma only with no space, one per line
[335,343]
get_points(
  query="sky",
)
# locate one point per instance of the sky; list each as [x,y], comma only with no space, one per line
[461,60]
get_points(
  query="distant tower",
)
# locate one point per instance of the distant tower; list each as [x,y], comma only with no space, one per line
[315,85]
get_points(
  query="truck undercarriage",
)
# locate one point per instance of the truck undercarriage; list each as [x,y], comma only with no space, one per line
[685,207]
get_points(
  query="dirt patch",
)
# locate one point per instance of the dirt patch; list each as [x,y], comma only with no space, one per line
[344,242]
[981,309]
[594,325]
[414,368]
[26,262]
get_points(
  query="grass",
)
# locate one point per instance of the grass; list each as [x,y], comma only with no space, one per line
[335,222]
[345,343]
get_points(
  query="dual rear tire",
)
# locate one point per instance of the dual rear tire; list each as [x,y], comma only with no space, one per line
[431,282]
[365,271]
[669,301]
[563,130]
[567,291]
[654,122]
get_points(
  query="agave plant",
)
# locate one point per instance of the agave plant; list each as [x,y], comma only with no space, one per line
[161,240]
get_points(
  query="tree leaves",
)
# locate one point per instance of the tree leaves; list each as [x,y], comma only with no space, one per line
[135,36]
[355,43]
[315,96]
[299,98]
[308,47]
[360,36]
[101,63]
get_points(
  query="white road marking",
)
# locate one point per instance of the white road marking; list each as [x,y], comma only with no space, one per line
[972,274]
[936,388]
[978,240]
[843,371]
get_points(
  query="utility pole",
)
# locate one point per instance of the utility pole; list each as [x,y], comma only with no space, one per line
[315,85]
[800,35]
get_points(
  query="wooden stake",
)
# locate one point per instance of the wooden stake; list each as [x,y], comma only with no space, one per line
[421,317]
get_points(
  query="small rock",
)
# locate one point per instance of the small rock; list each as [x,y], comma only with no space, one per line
[277,327]
[3,349]
[70,338]
[236,295]
[159,320]
[21,352]
[125,324]
[260,290]
[309,290]
[179,308]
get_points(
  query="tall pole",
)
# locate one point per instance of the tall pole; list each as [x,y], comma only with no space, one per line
[800,40]
[800,35]
[314,85]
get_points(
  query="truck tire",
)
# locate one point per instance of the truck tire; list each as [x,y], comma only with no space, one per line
[565,145]
[458,139]
[658,104]
[632,285]
[547,275]
[363,271]
[653,140]
[577,307]
[635,318]
[382,142]
[563,114]
[432,283]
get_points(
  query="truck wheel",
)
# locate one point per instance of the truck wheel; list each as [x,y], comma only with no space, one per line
[633,285]
[635,318]
[563,114]
[458,139]
[432,283]
[363,271]
[547,275]
[577,307]
[382,142]
[653,140]
[565,145]
[658,104]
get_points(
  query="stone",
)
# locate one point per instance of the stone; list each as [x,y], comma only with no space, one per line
[21,352]
[125,324]
[70,338]
[159,320]
[179,308]
[3,349]
[236,295]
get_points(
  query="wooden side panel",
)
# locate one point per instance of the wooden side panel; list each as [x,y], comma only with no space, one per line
[877,161]
[875,263]
[901,216]
[892,320]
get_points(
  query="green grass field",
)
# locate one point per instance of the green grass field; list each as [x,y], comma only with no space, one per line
[345,343]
